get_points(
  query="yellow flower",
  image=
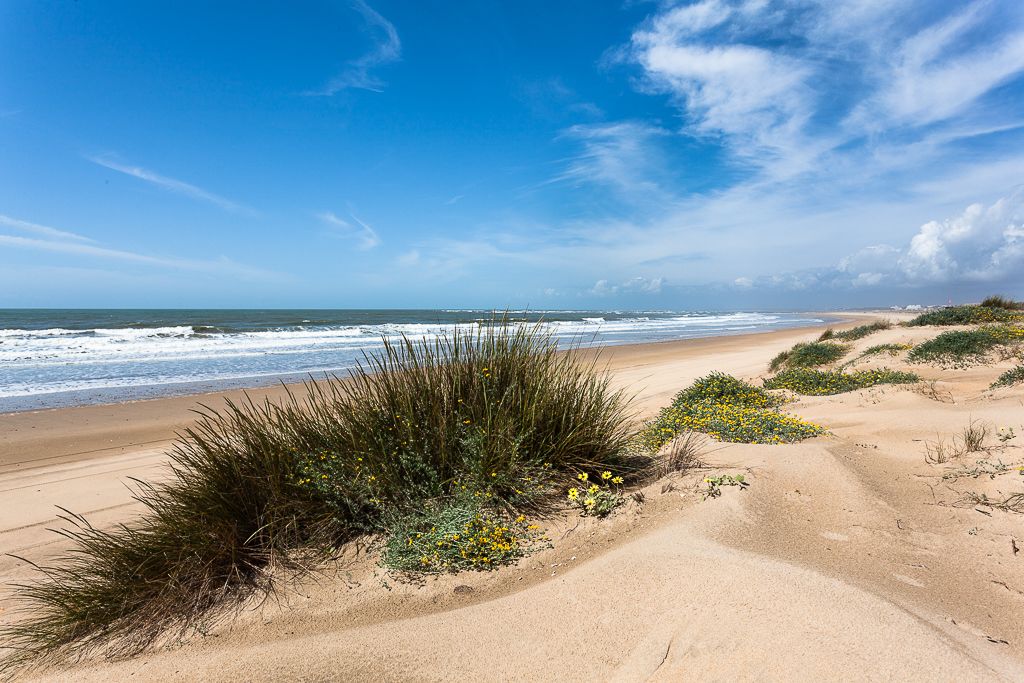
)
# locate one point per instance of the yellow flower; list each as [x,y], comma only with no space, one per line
[582,476]
[606,475]
[574,494]
[589,502]
[616,480]
[594,488]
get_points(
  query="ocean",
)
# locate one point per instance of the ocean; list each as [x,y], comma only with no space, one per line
[52,358]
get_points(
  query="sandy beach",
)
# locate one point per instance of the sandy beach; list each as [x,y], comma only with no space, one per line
[849,557]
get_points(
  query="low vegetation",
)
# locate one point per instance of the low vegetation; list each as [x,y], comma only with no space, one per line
[855,333]
[714,484]
[1010,378]
[891,349]
[960,348]
[425,439]
[458,535]
[808,355]
[966,315]
[596,496]
[971,440]
[813,382]
[727,409]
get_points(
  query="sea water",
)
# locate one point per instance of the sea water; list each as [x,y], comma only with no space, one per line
[51,358]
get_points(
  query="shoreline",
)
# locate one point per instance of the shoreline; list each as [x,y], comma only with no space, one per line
[64,432]
[117,393]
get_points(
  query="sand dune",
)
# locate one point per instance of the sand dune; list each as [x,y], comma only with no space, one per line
[849,557]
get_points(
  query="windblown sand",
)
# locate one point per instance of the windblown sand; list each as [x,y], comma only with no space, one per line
[848,558]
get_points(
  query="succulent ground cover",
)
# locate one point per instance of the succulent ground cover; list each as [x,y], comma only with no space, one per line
[727,409]
[960,348]
[808,355]
[967,315]
[1010,378]
[813,382]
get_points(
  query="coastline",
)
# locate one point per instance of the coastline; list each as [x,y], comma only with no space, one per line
[56,359]
[118,427]
[839,539]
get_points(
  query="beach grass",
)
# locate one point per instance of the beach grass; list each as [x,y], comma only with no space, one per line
[996,301]
[855,333]
[812,382]
[264,491]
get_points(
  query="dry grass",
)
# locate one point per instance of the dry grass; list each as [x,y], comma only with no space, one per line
[971,440]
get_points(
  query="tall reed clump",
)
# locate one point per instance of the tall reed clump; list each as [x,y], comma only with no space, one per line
[491,414]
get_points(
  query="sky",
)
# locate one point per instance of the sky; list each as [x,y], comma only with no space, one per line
[573,155]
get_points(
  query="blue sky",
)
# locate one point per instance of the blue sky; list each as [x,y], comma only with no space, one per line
[715,154]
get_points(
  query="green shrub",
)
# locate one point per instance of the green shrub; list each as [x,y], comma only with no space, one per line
[730,410]
[862,331]
[962,347]
[497,411]
[827,382]
[808,354]
[1010,378]
[964,315]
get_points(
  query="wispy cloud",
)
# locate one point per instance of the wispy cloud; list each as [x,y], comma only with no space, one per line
[365,236]
[358,73]
[621,156]
[64,242]
[45,231]
[172,185]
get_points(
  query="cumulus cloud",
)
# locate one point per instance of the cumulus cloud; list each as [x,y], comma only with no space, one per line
[981,244]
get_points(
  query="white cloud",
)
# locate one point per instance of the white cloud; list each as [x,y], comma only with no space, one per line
[43,230]
[981,244]
[365,235]
[358,72]
[620,155]
[172,185]
[787,86]
[636,285]
[932,77]
[70,243]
